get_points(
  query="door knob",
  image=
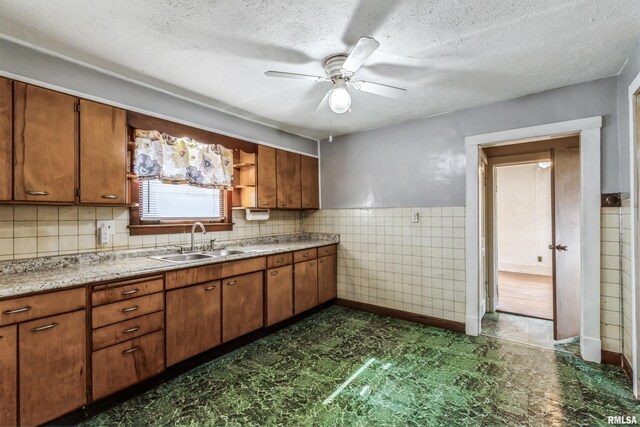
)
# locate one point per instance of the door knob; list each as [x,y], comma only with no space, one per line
[562,248]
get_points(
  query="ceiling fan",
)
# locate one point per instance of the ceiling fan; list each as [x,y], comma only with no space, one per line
[339,69]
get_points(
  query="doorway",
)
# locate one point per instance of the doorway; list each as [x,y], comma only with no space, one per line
[532,221]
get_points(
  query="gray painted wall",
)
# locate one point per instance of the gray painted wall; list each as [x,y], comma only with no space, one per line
[21,62]
[629,72]
[422,162]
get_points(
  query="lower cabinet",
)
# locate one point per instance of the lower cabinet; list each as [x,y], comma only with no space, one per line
[8,375]
[279,294]
[194,322]
[242,305]
[122,365]
[52,367]
[327,278]
[305,285]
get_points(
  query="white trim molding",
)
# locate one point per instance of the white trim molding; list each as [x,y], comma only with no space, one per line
[589,130]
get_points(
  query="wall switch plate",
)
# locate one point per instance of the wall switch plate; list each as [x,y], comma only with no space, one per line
[415,217]
[105,230]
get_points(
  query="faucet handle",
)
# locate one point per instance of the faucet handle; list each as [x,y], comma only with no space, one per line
[212,244]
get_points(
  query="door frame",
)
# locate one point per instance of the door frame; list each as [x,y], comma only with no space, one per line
[589,130]
[633,92]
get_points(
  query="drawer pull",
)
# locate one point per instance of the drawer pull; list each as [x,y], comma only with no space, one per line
[109,196]
[210,288]
[131,350]
[273,273]
[37,193]
[130,309]
[233,282]
[131,292]
[44,328]
[18,310]
[280,260]
[321,261]
[312,264]
[305,255]
[128,331]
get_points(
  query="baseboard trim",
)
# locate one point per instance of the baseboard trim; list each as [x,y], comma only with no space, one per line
[404,315]
[628,370]
[611,358]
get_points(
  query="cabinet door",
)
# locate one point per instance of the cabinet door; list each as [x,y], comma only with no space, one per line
[52,367]
[288,180]
[327,278]
[103,153]
[279,294]
[306,285]
[266,177]
[242,305]
[8,375]
[193,321]
[6,143]
[309,182]
[44,135]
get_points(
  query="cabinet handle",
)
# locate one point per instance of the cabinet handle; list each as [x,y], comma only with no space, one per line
[131,350]
[210,288]
[18,310]
[37,193]
[44,328]
[265,203]
[233,282]
[130,309]
[109,196]
[128,331]
[305,256]
[131,292]
[312,264]
[273,273]
[321,261]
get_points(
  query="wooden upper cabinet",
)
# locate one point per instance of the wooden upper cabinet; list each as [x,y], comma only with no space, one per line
[266,177]
[53,367]
[103,153]
[309,182]
[193,321]
[288,180]
[45,130]
[6,143]
[8,375]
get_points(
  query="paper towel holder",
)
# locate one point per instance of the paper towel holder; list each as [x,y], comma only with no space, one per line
[257,214]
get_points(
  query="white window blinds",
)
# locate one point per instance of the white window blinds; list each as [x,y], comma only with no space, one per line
[159,201]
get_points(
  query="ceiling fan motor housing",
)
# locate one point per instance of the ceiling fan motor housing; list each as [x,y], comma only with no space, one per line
[333,67]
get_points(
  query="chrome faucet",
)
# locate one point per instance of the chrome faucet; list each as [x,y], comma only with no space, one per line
[193,232]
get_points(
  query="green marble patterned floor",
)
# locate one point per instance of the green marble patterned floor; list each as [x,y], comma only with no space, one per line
[345,367]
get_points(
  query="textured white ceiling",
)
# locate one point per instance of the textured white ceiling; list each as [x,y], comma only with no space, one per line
[448,54]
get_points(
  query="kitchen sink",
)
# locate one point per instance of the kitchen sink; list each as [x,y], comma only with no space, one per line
[184,257]
[225,252]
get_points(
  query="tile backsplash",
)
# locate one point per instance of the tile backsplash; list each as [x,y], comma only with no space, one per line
[37,231]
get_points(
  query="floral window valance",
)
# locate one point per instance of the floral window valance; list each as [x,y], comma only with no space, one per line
[182,160]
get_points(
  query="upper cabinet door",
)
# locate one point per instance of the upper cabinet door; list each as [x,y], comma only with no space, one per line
[288,170]
[103,153]
[309,179]
[266,177]
[6,145]
[44,145]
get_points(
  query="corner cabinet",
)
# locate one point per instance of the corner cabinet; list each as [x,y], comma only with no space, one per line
[45,132]
[6,143]
[310,186]
[103,145]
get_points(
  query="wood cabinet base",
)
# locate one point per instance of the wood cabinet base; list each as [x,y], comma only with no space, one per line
[8,375]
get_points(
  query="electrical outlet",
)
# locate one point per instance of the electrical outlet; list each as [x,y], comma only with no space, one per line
[105,229]
[415,217]
[539,259]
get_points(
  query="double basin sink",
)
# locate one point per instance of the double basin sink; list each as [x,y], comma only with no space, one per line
[180,258]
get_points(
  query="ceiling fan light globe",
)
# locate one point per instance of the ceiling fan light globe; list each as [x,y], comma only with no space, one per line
[339,100]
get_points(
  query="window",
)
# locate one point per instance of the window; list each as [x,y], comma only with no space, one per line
[160,201]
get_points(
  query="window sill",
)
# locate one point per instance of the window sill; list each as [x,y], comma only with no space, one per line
[148,229]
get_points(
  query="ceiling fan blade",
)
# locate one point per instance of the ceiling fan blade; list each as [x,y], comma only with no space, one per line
[324,101]
[360,52]
[295,76]
[379,89]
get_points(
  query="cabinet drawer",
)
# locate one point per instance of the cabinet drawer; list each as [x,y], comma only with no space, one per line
[274,261]
[120,366]
[305,255]
[129,329]
[327,250]
[125,310]
[209,273]
[105,294]
[33,307]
